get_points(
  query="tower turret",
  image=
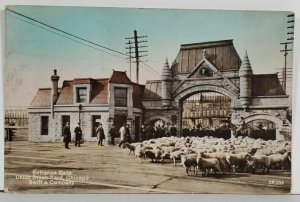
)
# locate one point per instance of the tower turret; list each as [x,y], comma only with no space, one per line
[166,79]
[245,74]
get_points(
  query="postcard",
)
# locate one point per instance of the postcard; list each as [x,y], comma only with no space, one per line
[126,100]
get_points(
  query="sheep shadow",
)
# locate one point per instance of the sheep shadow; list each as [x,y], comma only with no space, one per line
[222,175]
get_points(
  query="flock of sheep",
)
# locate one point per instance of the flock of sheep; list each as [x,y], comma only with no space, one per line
[209,154]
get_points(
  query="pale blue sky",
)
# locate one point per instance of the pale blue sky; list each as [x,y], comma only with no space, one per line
[32,53]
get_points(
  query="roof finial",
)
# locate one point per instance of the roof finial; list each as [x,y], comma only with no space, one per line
[204,53]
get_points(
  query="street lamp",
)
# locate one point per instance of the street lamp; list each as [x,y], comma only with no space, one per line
[79,109]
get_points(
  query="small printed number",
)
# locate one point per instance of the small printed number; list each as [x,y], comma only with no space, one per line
[276,182]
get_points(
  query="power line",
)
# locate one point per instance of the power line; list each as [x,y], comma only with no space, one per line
[67,33]
[69,38]
[150,69]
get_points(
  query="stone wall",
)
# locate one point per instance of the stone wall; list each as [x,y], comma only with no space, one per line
[34,124]
[55,125]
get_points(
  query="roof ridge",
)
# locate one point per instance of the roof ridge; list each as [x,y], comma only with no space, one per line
[230,41]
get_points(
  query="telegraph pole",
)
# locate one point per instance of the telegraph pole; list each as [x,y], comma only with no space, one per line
[137,51]
[286,50]
[129,53]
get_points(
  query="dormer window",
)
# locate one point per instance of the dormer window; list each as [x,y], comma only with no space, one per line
[81,93]
[82,96]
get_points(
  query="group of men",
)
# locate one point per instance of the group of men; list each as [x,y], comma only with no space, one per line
[67,135]
[78,135]
[145,133]
[158,131]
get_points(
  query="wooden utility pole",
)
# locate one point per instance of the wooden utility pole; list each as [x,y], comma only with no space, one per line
[286,50]
[137,51]
[129,53]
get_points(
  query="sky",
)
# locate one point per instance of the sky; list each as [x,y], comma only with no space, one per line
[32,50]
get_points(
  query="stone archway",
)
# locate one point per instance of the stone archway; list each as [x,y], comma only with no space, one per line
[200,86]
[186,92]
[157,117]
[277,121]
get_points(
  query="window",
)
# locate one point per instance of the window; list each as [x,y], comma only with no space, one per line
[96,122]
[81,95]
[121,97]
[44,125]
[64,120]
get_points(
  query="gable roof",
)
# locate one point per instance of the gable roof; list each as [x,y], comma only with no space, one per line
[220,54]
[152,90]
[99,91]
[42,98]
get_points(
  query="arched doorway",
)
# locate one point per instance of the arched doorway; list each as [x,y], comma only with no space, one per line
[208,112]
[262,129]
[157,126]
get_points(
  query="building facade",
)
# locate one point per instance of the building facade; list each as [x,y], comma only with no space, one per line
[207,84]
[115,100]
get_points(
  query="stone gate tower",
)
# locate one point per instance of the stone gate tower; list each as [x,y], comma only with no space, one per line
[245,74]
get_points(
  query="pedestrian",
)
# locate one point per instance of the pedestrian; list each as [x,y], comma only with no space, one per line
[78,135]
[193,131]
[122,135]
[142,133]
[127,134]
[173,130]
[100,134]
[149,132]
[112,133]
[161,131]
[67,135]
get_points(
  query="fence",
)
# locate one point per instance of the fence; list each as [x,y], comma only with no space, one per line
[17,117]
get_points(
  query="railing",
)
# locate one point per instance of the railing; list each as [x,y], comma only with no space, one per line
[18,118]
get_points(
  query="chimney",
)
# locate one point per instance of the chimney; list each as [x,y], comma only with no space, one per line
[54,79]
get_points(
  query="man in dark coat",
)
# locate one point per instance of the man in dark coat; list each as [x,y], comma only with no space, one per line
[67,135]
[161,131]
[100,134]
[149,132]
[112,133]
[127,134]
[142,133]
[78,135]
[173,130]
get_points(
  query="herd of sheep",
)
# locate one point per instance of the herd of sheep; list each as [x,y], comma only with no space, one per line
[209,154]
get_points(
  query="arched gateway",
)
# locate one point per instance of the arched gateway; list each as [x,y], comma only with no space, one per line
[203,79]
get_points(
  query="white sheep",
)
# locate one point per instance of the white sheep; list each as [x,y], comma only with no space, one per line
[258,161]
[221,156]
[205,164]
[138,153]
[175,155]
[280,160]
[237,161]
